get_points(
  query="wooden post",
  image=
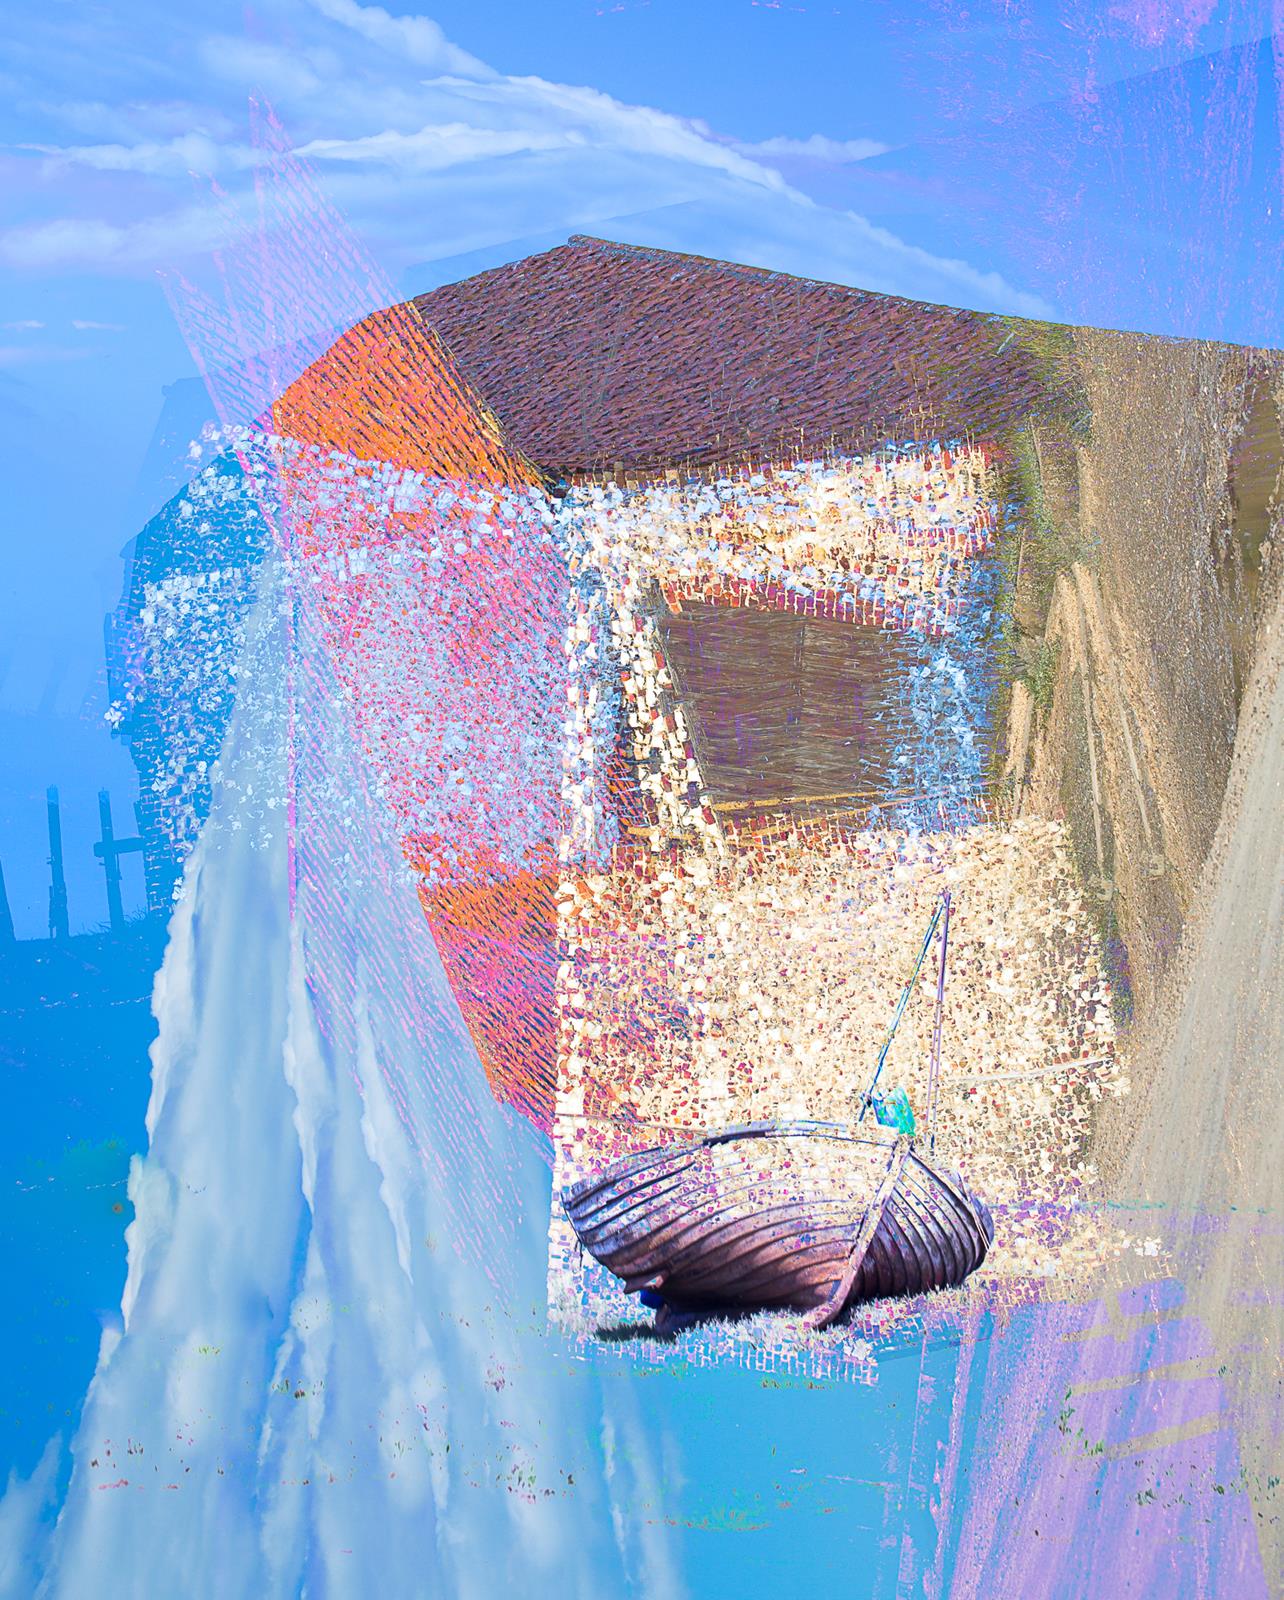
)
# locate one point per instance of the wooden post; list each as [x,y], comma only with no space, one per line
[58,928]
[109,851]
[111,863]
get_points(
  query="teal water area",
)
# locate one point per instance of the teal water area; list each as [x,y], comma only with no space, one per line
[776,1484]
[75,1027]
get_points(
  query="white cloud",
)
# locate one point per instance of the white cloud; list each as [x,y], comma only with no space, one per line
[83,325]
[416,39]
[431,153]
[437,146]
[606,121]
[136,119]
[190,152]
[817,147]
[982,290]
[80,241]
[24,325]
[284,75]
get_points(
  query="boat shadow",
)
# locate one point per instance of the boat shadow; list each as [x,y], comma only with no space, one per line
[632,1332]
[666,1329]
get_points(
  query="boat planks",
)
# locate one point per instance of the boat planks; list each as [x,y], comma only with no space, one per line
[814,1216]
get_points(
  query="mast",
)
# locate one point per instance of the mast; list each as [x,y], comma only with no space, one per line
[934,1070]
[868,1096]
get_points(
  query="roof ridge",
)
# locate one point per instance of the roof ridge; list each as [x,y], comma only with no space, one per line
[741,269]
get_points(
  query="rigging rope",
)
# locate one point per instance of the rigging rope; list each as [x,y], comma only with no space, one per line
[867,1098]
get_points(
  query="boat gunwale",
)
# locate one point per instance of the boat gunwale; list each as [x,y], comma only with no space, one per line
[795,1129]
[607,1216]
[594,1212]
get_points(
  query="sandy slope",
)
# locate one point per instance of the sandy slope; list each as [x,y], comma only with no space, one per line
[1157,1472]
[1209,1142]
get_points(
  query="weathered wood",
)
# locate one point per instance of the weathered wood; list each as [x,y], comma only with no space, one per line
[824,1314]
[812,1215]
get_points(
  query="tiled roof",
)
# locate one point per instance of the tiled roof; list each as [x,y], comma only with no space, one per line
[596,354]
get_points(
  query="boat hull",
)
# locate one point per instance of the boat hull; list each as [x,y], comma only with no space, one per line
[805,1215]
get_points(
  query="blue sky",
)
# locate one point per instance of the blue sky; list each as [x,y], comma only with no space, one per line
[1116,163]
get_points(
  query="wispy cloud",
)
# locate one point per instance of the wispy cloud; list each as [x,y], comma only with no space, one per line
[431,152]
[284,75]
[137,119]
[23,325]
[437,146]
[83,325]
[80,241]
[835,246]
[603,120]
[816,147]
[189,153]
[416,39]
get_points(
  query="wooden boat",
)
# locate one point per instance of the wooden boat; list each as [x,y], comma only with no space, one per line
[812,1215]
[817,1215]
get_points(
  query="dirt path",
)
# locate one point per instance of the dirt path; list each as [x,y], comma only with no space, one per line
[1207,1140]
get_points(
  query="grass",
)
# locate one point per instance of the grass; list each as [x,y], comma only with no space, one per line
[1049,348]
[1035,544]
[1114,958]
[1046,547]
[1040,675]
[1058,424]
[1033,553]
